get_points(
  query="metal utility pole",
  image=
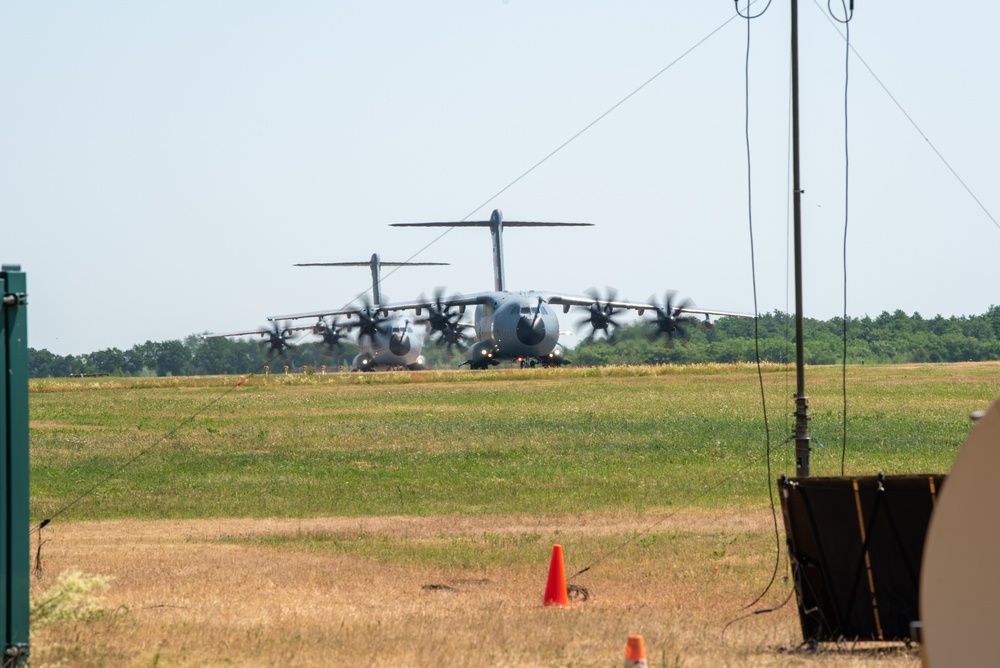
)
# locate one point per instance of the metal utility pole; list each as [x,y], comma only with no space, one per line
[14,530]
[801,401]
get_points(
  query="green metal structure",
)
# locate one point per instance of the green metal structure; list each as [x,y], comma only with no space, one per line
[14,516]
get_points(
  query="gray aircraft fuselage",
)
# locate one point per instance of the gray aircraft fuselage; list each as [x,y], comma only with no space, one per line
[394,342]
[509,325]
[396,345]
[520,324]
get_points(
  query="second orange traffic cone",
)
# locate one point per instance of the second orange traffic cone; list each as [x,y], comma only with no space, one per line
[635,652]
[556,594]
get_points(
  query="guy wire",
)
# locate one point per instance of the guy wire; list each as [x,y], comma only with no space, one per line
[756,316]
[754,613]
[849,14]
[573,138]
[685,506]
[915,126]
[121,467]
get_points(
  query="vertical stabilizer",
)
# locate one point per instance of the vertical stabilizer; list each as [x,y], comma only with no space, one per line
[376,265]
[496,231]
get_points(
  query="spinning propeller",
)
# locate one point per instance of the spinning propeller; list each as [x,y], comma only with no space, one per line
[331,333]
[600,316]
[371,322]
[668,318]
[277,339]
[441,318]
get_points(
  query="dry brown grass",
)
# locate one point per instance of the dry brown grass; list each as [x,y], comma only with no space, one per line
[248,592]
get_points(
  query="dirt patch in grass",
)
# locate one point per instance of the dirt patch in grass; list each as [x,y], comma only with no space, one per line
[266,592]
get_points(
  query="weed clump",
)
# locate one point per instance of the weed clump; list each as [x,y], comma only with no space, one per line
[74,596]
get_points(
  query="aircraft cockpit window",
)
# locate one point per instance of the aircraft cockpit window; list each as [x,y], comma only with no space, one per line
[531,309]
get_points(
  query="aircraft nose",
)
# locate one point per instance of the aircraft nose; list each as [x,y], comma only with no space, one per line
[399,344]
[530,330]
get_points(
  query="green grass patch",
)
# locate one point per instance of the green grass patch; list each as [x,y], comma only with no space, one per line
[497,442]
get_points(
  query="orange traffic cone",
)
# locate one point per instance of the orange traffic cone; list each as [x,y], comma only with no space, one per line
[556,594]
[635,652]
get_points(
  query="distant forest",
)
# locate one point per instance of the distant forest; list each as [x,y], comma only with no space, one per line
[890,338]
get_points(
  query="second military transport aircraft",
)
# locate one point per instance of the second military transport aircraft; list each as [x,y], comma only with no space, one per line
[385,341]
[521,326]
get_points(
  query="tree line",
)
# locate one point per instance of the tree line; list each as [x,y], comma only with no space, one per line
[889,338]
[194,356]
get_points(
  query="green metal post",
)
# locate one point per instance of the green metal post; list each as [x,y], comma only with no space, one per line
[14,526]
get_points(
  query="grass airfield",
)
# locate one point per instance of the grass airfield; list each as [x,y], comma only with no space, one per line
[407,519]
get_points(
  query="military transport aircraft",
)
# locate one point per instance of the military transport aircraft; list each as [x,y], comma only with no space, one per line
[522,326]
[386,341]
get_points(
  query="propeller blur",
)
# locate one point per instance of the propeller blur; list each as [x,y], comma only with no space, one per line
[386,340]
[522,327]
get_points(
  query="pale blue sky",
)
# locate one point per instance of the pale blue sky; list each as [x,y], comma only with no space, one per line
[163,164]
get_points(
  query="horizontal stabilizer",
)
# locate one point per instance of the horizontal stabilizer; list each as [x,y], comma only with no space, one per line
[496,225]
[488,223]
[368,264]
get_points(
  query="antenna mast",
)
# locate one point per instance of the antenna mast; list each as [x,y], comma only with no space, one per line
[801,401]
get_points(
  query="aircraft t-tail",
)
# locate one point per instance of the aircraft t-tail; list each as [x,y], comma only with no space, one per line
[386,341]
[523,326]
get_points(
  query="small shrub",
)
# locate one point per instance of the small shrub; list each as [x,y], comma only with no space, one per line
[74,596]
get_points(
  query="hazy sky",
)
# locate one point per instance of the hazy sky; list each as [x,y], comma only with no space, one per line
[164,164]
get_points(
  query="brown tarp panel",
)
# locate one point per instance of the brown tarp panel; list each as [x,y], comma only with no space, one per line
[856,546]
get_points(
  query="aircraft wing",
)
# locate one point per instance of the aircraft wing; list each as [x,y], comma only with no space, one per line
[321,314]
[566,301]
[726,314]
[313,327]
[417,306]
[422,304]
[260,332]
[264,331]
